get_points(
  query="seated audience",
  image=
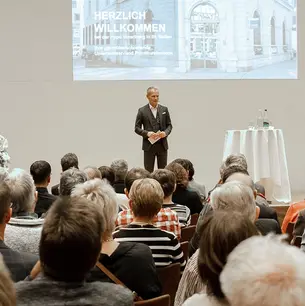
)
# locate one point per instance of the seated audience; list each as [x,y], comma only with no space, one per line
[221,234]
[92,173]
[41,173]
[264,271]
[228,198]
[19,264]
[130,262]
[292,214]
[166,219]
[107,173]
[7,290]
[120,168]
[68,161]
[146,198]
[261,195]
[69,247]
[167,181]
[182,195]
[23,231]
[192,184]
[69,179]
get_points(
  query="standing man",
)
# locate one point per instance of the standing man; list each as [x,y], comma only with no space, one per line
[153,123]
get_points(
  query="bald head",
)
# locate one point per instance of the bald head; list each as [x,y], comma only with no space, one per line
[242,178]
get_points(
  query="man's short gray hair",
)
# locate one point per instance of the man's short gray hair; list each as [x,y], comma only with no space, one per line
[264,271]
[151,88]
[238,159]
[120,168]
[100,192]
[92,173]
[22,189]
[69,179]
[234,196]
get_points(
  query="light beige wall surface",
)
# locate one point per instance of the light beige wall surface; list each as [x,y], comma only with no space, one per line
[44,114]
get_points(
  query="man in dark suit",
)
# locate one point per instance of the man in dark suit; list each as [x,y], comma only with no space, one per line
[68,161]
[19,264]
[41,173]
[153,122]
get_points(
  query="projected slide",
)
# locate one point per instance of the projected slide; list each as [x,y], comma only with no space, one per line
[184,39]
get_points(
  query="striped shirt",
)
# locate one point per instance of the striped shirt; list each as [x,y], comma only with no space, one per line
[190,282]
[183,213]
[166,219]
[164,245]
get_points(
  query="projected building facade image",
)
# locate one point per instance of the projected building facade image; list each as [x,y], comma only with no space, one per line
[187,39]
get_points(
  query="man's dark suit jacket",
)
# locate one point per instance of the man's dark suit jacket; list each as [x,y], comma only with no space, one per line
[145,118]
[55,190]
[267,212]
[44,201]
[19,264]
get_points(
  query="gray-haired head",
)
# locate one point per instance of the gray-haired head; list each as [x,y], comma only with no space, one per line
[120,168]
[69,179]
[262,270]
[238,159]
[260,189]
[231,169]
[151,88]
[101,193]
[22,189]
[234,196]
[92,173]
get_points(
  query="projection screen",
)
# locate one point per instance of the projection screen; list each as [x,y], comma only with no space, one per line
[184,39]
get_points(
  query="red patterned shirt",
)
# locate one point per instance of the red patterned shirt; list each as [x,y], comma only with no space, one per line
[166,220]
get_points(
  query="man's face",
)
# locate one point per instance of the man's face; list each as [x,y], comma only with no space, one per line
[153,97]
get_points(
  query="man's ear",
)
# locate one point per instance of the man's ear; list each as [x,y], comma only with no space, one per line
[126,192]
[49,179]
[175,188]
[255,194]
[8,215]
[257,211]
[130,204]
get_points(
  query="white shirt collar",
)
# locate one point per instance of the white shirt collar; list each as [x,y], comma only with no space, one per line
[153,108]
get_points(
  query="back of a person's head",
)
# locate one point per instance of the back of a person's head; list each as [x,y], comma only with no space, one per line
[22,189]
[187,165]
[69,179]
[69,160]
[260,189]
[120,168]
[180,174]
[264,271]
[135,174]
[5,201]
[71,239]
[7,289]
[237,159]
[232,169]
[92,173]
[167,180]
[221,233]
[146,197]
[101,193]
[234,196]
[40,171]
[107,173]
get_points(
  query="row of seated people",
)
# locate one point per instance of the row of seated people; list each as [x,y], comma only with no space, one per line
[152,193]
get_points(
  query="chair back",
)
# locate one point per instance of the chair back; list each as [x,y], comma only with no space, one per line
[296,241]
[185,249]
[187,233]
[194,219]
[170,277]
[163,300]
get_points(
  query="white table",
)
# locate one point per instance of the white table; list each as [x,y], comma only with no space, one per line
[266,157]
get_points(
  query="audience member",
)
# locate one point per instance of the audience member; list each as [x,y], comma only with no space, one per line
[167,180]
[69,247]
[130,262]
[228,198]
[264,271]
[107,173]
[192,184]
[166,219]
[24,228]
[261,195]
[69,179]
[41,173]
[292,215]
[120,168]
[19,264]
[92,173]
[222,232]
[182,195]
[68,161]
[7,290]
[146,198]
